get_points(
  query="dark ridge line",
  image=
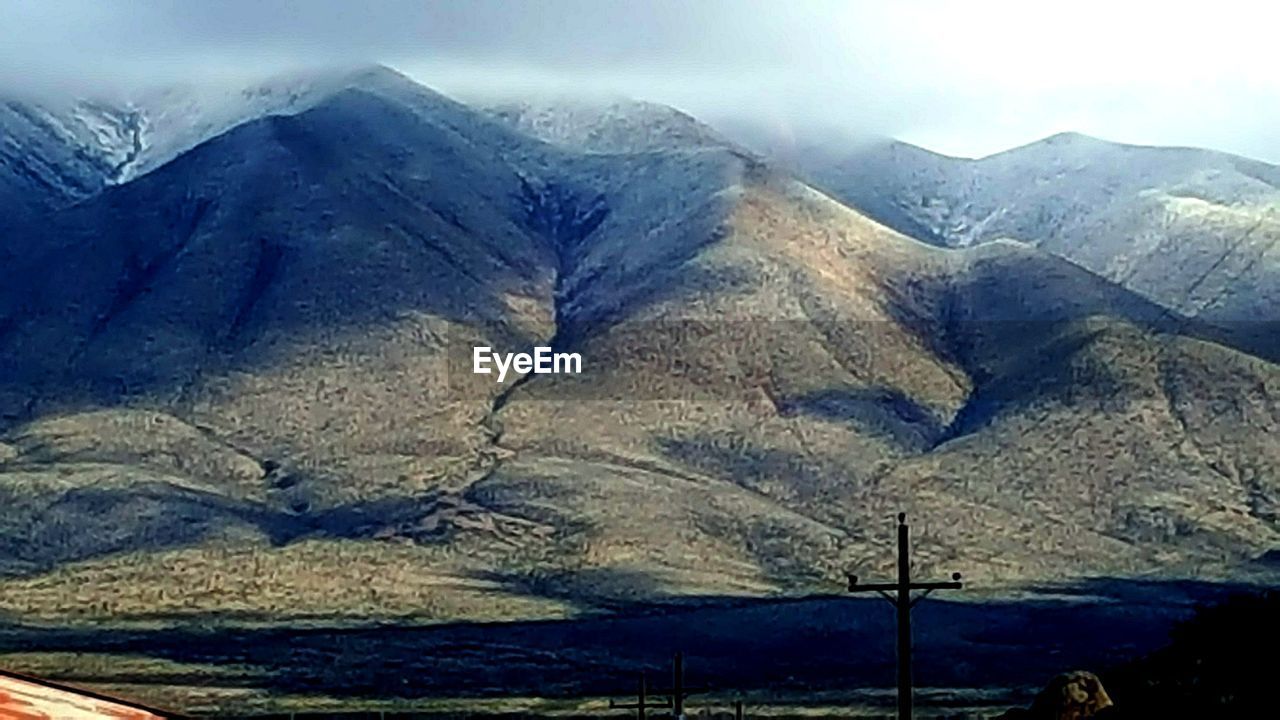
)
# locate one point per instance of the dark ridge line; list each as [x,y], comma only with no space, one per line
[28,169]
[555,214]
[266,269]
[140,275]
[1222,259]
[430,242]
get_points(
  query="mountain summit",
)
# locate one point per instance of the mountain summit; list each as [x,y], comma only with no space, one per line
[249,362]
[1194,230]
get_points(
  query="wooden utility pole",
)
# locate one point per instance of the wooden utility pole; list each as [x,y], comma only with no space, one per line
[899,594]
[679,691]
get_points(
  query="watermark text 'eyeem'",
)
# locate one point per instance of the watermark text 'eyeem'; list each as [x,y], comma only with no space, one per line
[484,360]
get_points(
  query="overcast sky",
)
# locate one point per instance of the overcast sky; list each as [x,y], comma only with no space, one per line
[964,77]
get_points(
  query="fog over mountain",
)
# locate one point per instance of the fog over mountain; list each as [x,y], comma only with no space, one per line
[272,279]
[246,465]
[960,78]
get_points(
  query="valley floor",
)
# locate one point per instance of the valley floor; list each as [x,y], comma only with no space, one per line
[811,657]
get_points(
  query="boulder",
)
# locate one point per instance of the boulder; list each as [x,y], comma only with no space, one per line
[1074,695]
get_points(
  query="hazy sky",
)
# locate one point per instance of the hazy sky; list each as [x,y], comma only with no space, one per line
[965,77]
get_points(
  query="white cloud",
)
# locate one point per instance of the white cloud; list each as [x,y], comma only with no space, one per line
[966,77]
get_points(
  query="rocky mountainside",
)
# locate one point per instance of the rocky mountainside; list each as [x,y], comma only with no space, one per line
[606,126]
[56,150]
[1194,230]
[238,384]
[55,153]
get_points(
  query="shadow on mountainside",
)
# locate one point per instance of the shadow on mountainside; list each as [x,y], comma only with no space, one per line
[783,645]
[884,412]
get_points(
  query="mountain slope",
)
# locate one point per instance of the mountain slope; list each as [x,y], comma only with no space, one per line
[176,118]
[261,350]
[56,151]
[53,153]
[268,248]
[606,126]
[292,290]
[1194,230]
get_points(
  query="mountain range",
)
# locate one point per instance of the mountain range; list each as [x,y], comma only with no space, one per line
[235,328]
[1194,230]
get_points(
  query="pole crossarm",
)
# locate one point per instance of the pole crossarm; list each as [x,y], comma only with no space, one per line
[900,595]
[870,587]
[937,586]
[881,588]
[855,586]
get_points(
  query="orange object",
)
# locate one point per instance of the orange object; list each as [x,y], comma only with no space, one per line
[28,698]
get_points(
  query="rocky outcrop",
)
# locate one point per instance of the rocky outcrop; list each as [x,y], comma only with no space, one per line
[1075,695]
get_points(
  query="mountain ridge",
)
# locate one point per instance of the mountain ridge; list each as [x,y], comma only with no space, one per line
[269,329]
[1194,230]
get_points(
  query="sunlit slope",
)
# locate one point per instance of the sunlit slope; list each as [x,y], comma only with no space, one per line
[843,371]
[1194,230]
[286,295]
[286,283]
[254,362]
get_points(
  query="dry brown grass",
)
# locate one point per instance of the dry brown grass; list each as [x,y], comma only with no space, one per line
[316,579]
[751,431]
